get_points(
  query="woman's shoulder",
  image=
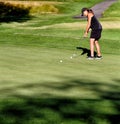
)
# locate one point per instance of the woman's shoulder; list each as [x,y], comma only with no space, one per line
[90,15]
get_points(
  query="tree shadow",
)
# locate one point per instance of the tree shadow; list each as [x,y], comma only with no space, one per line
[12,13]
[59,110]
[52,109]
[85,51]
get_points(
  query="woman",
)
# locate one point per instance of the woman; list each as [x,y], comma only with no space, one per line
[96,27]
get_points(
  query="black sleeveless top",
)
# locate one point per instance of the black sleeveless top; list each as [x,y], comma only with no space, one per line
[95,24]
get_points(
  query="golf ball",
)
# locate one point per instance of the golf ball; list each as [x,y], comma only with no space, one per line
[61,61]
[71,57]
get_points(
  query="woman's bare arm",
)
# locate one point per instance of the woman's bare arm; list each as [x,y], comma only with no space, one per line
[90,15]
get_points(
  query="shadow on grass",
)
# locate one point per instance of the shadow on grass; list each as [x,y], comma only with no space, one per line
[85,51]
[51,109]
[12,13]
[59,110]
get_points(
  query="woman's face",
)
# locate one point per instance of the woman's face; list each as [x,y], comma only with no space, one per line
[85,13]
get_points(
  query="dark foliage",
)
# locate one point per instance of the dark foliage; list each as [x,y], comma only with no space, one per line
[11,13]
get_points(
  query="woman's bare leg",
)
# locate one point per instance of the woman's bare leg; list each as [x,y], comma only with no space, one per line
[97,48]
[92,41]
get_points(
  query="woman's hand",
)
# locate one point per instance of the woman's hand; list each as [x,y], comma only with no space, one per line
[85,34]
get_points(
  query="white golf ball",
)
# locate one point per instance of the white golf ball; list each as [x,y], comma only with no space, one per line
[61,61]
[71,57]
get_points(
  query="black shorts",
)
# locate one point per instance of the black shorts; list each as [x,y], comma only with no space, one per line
[96,34]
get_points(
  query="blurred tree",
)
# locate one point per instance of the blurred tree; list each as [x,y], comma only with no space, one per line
[10,12]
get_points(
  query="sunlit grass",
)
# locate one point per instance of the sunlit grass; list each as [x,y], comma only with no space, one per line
[112,12]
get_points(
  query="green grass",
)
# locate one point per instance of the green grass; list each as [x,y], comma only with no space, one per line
[35,88]
[112,12]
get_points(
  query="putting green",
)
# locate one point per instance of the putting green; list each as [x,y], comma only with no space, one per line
[37,71]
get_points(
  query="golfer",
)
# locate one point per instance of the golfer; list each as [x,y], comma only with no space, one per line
[96,29]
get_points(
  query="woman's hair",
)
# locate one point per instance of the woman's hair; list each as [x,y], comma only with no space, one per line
[89,10]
